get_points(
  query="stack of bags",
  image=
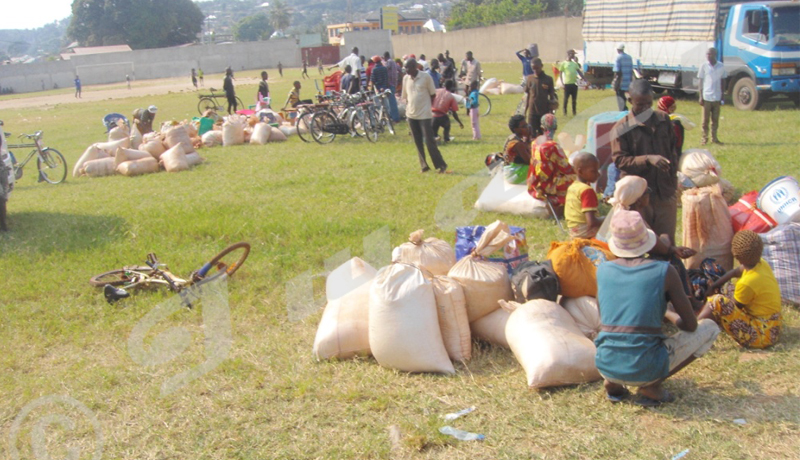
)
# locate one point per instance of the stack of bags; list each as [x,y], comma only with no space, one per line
[420,314]
[131,154]
[242,129]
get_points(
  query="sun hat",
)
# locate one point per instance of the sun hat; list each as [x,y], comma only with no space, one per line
[620,46]
[630,237]
[152,109]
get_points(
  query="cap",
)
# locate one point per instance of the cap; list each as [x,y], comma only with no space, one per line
[152,109]
[376,59]
[620,46]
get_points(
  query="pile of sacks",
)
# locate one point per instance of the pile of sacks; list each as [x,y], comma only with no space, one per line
[242,129]
[129,153]
[496,87]
[421,312]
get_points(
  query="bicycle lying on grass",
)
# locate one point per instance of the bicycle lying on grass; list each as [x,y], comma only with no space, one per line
[117,283]
[50,162]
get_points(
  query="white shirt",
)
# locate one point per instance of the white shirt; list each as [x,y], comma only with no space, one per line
[417,92]
[424,64]
[712,80]
[353,61]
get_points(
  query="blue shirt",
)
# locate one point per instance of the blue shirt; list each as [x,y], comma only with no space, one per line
[624,65]
[632,297]
[527,69]
[435,75]
[472,100]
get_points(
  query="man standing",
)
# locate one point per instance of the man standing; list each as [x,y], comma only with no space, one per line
[353,60]
[128,80]
[280,68]
[319,66]
[393,74]
[711,89]
[200,75]
[379,77]
[524,55]
[541,93]
[305,69]
[433,71]
[194,79]
[443,104]
[471,69]
[423,62]
[418,92]
[643,144]
[623,75]
[570,70]
[77,86]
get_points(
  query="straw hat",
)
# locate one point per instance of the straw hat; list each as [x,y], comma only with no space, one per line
[629,235]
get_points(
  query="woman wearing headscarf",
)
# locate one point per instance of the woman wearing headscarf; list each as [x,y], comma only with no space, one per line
[550,173]
[679,122]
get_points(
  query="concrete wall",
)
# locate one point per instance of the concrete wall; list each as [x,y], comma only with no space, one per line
[150,64]
[498,43]
[369,43]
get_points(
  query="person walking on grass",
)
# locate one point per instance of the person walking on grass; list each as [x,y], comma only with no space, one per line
[77,86]
[444,103]
[623,75]
[194,79]
[472,104]
[230,93]
[319,66]
[711,74]
[418,93]
[200,76]
[305,70]
[570,70]
[280,69]
[540,94]
[128,80]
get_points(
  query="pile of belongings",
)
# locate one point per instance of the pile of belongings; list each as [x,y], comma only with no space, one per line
[243,129]
[420,313]
[129,153]
[496,87]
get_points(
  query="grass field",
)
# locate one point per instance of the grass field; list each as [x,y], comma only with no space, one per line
[303,207]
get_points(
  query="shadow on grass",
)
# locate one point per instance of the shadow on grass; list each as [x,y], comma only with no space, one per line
[48,232]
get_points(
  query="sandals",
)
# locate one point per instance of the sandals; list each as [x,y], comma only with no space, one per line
[614,399]
[644,401]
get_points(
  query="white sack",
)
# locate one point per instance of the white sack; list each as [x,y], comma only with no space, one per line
[212,138]
[451,308]
[174,159]
[492,327]
[700,166]
[261,133]
[500,196]
[585,312]
[431,254]
[99,167]
[137,167]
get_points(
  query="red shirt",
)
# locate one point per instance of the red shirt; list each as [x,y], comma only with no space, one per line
[443,103]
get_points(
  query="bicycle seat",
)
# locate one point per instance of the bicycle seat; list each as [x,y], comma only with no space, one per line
[113,294]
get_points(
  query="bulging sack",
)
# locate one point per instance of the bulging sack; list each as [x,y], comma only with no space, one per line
[118,132]
[492,327]
[576,271]
[212,138]
[585,312]
[343,331]
[431,254]
[451,308]
[136,137]
[233,131]
[137,167]
[500,196]
[124,155]
[91,153]
[707,226]
[549,346]
[174,159]
[153,144]
[100,167]
[277,136]
[700,167]
[404,329]
[178,134]
[111,147]
[261,134]
[194,159]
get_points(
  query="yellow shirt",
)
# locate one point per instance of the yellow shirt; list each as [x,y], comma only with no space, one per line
[758,291]
[577,203]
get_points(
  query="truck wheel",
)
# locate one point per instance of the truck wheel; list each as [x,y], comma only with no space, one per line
[796,99]
[745,95]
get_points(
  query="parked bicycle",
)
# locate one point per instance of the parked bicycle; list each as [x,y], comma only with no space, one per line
[484,103]
[50,162]
[209,101]
[117,283]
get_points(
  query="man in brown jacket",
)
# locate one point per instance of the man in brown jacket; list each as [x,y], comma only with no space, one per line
[541,93]
[643,144]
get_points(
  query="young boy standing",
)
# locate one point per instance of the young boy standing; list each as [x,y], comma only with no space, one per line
[472,109]
[752,315]
[580,209]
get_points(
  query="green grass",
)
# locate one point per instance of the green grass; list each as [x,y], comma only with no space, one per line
[300,205]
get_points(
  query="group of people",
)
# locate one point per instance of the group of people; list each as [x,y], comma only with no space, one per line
[634,290]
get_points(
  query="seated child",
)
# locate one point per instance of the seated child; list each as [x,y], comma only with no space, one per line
[517,151]
[580,208]
[752,315]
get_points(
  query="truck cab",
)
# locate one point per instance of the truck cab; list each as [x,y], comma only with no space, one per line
[760,49]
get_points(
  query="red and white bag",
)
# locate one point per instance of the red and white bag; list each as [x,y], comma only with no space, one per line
[745,215]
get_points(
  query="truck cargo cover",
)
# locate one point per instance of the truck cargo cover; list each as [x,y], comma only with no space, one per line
[649,20]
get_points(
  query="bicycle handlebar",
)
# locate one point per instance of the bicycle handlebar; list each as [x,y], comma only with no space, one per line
[35,136]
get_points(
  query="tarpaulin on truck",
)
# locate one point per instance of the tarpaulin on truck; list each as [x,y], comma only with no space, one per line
[649,20]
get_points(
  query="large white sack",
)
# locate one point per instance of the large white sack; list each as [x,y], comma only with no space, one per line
[508,88]
[707,226]
[500,196]
[174,159]
[492,92]
[178,134]
[288,130]
[212,138]
[99,167]
[451,308]
[91,153]
[118,132]
[549,346]
[585,312]
[343,331]
[137,167]
[124,155]
[403,324]
[489,83]
[484,282]
[700,166]
[136,137]
[111,147]
[492,327]
[277,135]
[261,133]
[233,131]
[194,159]
[431,254]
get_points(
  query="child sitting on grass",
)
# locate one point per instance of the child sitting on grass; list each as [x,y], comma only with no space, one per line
[752,315]
[580,209]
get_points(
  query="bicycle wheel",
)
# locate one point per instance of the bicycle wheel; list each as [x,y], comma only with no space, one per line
[387,120]
[319,121]
[239,104]
[207,103]
[52,166]
[303,125]
[228,261]
[485,104]
[16,166]
[117,277]
[356,122]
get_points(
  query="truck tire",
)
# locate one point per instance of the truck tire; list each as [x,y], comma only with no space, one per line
[745,94]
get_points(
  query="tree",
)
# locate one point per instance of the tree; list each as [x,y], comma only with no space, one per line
[137,23]
[279,16]
[478,13]
[253,28]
